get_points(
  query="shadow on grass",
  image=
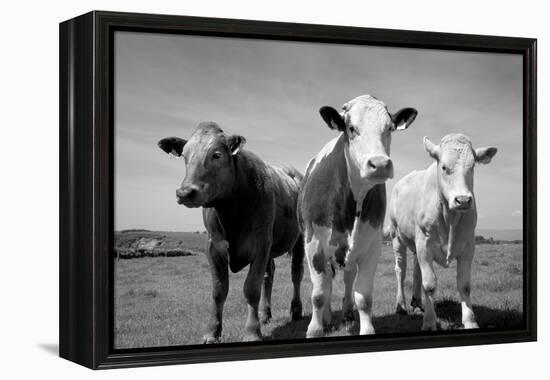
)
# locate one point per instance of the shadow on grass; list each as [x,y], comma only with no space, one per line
[297,329]
[501,319]
[448,312]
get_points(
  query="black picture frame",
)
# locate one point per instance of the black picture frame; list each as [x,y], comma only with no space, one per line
[86,187]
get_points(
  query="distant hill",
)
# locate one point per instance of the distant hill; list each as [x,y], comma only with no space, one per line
[500,234]
[143,243]
[136,243]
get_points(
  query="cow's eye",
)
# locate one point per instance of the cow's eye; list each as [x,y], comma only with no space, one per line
[353,131]
[445,169]
[216,155]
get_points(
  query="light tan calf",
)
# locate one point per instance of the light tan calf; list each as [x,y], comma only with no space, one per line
[433,213]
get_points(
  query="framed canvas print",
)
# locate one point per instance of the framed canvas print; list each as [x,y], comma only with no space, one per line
[235,190]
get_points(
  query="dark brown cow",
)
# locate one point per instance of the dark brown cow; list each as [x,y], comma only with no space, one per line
[249,211]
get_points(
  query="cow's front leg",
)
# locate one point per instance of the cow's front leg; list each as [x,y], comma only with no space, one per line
[252,291]
[350,273]
[217,259]
[265,301]
[424,249]
[364,284]
[463,275]
[321,278]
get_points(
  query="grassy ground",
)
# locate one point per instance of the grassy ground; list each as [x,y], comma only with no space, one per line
[164,301]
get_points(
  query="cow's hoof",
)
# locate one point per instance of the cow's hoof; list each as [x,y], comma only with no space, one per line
[265,316]
[416,305]
[328,328]
[399,309]
[429,326]
[348,320]
[369,330]
[315,333]
[296,310]
[471,325]
[211,340]
[252,337]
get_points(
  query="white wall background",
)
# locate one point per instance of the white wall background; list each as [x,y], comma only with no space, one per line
[29,190]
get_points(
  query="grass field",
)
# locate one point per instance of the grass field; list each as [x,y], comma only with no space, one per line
[164,301]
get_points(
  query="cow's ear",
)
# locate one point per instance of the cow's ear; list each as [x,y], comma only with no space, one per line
[403,118]
[333,118]
[431,148]
[172,145]
[235,143]
[484,155]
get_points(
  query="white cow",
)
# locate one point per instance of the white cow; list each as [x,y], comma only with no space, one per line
[433,213]
[342,205]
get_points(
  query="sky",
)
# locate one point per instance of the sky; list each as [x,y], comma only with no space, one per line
[270,92]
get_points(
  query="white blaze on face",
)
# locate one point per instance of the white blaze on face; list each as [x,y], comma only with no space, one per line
[368,124]
[456,168]
[366,127]
[369,130]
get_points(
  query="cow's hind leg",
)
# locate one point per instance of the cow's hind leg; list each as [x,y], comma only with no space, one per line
[321,278]
[327,311]
[350,273]
[297,274]
[416,301]
[217,259]
[265,301]
[400,253]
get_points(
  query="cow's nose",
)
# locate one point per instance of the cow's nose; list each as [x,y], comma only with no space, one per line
[186,193]
[463,201]
[379,162]
[380,166]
